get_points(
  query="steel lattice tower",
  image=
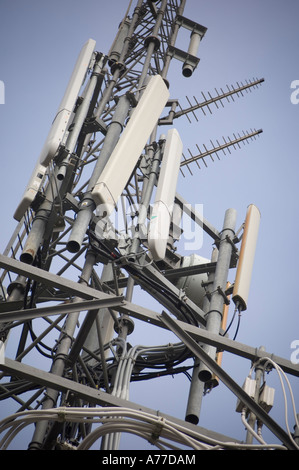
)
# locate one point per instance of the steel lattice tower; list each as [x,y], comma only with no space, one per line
[67,232]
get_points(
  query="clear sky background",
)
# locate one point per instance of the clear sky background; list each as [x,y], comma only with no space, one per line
[40,42]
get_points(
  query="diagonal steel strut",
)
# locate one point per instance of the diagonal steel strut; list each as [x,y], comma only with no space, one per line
[227,380]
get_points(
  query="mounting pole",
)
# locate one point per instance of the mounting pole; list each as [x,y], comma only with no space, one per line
[61,356]
[259,370]
[197,386]
[37,232]
[214,315]
[87,205]
[153,43]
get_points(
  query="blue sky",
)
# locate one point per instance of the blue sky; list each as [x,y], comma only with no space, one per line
[245,40]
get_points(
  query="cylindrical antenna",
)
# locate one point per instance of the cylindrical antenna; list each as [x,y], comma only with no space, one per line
[195,38]
[246,259]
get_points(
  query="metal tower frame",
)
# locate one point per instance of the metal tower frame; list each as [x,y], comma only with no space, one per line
[79,393]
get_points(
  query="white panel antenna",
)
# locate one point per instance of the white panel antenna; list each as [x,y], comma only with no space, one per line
[31,190]
[246,259]
[158,233]
[67,104]
[124,157]
[192,285]
[59,126]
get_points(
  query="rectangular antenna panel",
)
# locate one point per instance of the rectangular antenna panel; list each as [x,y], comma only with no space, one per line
[246,258]
[127,151]
[31,191]
[159,225]
[59,126]
[67,104]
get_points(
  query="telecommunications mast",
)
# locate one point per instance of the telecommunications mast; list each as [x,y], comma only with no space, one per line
[99,218]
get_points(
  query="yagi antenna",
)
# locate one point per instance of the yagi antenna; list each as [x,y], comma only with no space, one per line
[235,142]
[207,102]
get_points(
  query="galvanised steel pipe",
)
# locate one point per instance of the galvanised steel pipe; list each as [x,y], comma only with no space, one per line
[87,205]
[214,315]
